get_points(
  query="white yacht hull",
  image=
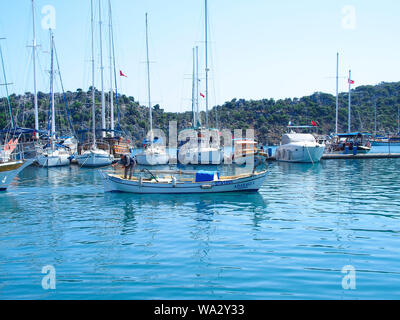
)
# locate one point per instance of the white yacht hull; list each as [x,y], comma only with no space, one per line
[9,170]
[299,153]
[249,183]
[148,159]
[94,159]
[50,160]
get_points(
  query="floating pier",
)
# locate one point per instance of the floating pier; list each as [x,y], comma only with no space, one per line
[341,156]
[332,156]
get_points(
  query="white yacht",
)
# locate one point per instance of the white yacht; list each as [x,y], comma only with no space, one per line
[94,157]
[299,147]
[153,153]
[91,154]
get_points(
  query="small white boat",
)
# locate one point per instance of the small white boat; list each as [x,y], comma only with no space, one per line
[183,182]
[57,158]
[94,157]
[299,147]
[9,170]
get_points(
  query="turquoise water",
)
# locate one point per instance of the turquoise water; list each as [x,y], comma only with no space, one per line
[289,241]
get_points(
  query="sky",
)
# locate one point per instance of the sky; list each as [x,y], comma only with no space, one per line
[258,48]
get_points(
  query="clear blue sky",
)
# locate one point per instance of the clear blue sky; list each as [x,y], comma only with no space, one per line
[259,49]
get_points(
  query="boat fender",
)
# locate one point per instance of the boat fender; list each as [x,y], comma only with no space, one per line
[206,186]
[140,181]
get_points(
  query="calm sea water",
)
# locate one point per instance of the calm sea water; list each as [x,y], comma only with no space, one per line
[289,241]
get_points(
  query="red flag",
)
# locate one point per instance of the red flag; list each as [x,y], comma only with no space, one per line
[313,123]
[202,95]
[122,74]
[351,81]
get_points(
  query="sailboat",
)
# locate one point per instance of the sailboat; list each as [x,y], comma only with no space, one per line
[53,154]
[206,150]
[90,154]
[11,158]
[153,153]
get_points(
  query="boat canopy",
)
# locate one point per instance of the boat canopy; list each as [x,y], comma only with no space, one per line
[297,137]
[353,134]
[206,176]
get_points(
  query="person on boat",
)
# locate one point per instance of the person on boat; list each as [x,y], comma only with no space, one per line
[128,163]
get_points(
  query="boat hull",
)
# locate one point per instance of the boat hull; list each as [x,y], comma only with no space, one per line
[9,171]
[250,183]
[93,160]
[299,154]
[152,159]
[53,161]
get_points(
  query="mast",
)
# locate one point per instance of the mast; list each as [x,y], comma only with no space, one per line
[375,117]
[198,124]
[337,92]
[349,120]
[53,117]
[93,89]
[6,85]
[34,72]
[193,88]
[103,106]
[111,70]
[398,120]
[206,55]
[148,81]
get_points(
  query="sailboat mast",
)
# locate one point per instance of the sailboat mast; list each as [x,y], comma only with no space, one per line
[6,85]
[206,56]
[53,117]
[148,82]
[349,120]
[111,70]
[103,106]
[36,110]
[193,88]
[375,117]
[198,124]
[337,92]
[93,89]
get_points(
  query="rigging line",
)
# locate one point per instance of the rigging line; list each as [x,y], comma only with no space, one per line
[6,86]
[62,88]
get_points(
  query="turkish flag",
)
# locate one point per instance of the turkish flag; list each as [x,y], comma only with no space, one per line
[202,95]
[351,81]
[313,123]
[122,74]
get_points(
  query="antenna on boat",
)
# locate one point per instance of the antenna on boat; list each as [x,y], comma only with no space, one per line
[148,81]
[93,89]
[6,86]
[103,106]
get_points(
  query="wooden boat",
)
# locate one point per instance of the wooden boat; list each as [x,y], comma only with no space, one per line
[183,182]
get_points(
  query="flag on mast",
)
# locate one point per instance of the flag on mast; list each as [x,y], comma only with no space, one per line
[122,74]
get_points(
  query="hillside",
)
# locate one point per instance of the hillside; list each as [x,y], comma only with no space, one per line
[268,117]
